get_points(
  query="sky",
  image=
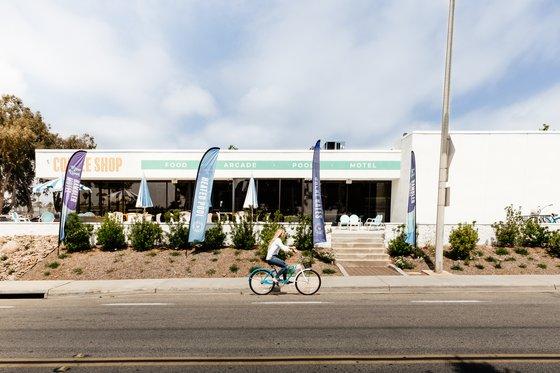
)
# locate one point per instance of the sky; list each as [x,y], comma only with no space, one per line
[279,74]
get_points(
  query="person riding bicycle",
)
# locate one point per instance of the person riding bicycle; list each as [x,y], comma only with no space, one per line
[274,248]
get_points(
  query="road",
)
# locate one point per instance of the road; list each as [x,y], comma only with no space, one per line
[450,332]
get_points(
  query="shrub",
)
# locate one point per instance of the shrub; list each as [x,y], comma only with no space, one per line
[554,244]
[144,235]
[542,265]
[509,259]
[533,234]
[110,234]
[521,251]
[78,271]
[243,236]
[324,256]
[173,214]
[303,239]
[463,241]
[501,251]
[403,263]
[178,236]
[508,231]
[233,268]
[211,272]
[498,265]
[53,265]
[456,267]
[479,266]
[329,271]
[398,245]
[307,259]
[522,265]
[78,234]
[214,238]
[265,236]
[491,259]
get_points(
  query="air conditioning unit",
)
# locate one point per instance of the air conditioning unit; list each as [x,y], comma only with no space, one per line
[334,145]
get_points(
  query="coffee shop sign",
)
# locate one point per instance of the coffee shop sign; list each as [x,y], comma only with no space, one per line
[91,164]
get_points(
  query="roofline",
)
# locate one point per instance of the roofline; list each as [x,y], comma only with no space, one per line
[520,132]
[221,151]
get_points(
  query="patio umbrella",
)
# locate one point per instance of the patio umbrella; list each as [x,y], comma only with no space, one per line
[144,200]
[120,195]
[55,185]
[251,197]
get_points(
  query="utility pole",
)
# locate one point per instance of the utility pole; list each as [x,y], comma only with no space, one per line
[444,149]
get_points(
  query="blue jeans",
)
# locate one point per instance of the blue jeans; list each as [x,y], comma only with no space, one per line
[280,263]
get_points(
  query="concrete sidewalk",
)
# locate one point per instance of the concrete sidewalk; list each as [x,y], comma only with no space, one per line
[365,284]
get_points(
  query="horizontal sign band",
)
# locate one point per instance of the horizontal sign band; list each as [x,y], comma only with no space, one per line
[271,165]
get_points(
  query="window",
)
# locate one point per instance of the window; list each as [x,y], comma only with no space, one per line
[268,194]
[222,195]
[291,197]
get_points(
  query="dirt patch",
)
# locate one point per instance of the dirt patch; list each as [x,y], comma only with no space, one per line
[18,254]
[157,263]
[489,260]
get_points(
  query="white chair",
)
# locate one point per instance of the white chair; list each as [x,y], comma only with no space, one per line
[17,218]
[376,223]
[355,222]
[47,217]
[344,221]
[158,218]
[209,218]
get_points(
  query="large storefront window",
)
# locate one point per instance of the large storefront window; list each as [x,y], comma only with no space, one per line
[291,197]
[268,194]
[222,195]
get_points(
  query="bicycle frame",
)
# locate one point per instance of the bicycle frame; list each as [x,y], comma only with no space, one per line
[292,273]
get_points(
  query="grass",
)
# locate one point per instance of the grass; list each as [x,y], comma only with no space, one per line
[53,265]
[78,271]
[3,258]
[542,265]
[456,267]
[501,251]
[479,253]
[522,265]
[509,259]
[151,253]
[329,271]
[47,273]
[193,259]
[498,265]
[233,268]
[479,266]
[214,259]
[237,252]
[63,256]
[211,272]
[521,251]
[216,252]
[175,253]
[490,259]
[530,258]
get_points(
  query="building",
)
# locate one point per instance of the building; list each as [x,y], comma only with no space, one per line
[489,171]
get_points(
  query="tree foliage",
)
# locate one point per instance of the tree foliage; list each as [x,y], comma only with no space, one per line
[21,132]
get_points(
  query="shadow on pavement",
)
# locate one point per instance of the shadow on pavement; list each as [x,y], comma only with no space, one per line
[464,367]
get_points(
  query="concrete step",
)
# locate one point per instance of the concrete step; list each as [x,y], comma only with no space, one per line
[361,256]
[357,240]
[357,233]
[356,245]
[363,263]
[375,250]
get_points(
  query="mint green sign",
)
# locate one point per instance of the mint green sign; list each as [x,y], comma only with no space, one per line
[150,164]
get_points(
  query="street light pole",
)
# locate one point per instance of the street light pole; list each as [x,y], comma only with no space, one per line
[444,149]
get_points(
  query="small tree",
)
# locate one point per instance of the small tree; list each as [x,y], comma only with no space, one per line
[178,236]
[508,232]
[303,239]
[144,235]
[398,245]
[77,234]
[533,234]
[243,236]
[554,244]
[110,234]
[463,240]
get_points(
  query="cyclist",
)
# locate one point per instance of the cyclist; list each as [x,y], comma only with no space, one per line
[274,248]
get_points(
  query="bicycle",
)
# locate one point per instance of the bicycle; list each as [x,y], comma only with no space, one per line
[307,280]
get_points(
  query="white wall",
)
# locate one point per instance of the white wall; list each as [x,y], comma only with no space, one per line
[489,171]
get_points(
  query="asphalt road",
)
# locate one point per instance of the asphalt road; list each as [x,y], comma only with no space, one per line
[454,332]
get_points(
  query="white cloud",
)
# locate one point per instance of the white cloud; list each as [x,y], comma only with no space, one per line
[190,100]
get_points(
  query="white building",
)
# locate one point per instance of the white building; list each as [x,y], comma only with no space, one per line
[489,171]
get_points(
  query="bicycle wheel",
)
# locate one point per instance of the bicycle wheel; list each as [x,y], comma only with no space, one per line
[308,282]
[261,282]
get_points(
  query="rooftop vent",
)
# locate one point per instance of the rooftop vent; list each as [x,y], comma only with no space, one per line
[334,145]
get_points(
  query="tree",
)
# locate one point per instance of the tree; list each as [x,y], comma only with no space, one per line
[545,127]
[232,147]
[21,132]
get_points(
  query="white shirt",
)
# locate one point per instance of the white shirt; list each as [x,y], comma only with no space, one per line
[274,247]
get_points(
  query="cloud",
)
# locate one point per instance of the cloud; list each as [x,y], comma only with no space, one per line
[190,100]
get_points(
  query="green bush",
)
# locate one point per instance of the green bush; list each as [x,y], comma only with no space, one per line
[78,234]
[398,246]
[533,234]
[554,244]
[178,236]
[214,238]
[144,235]
[172,214]
[403,263]
[324,256]
[462,240]
[303,238]
[329,271]
[521,251]
[508,232]
[456,267]
[110,234]
[233,268]
[501,251]
[265,236]
[243,236]
[307,259]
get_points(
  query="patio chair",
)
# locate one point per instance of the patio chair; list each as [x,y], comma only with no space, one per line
[374,223]
[158,218]
[47,217]
[344,221]
[355,222]
[18,219]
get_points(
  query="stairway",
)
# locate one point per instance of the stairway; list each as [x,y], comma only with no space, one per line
[359,248]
